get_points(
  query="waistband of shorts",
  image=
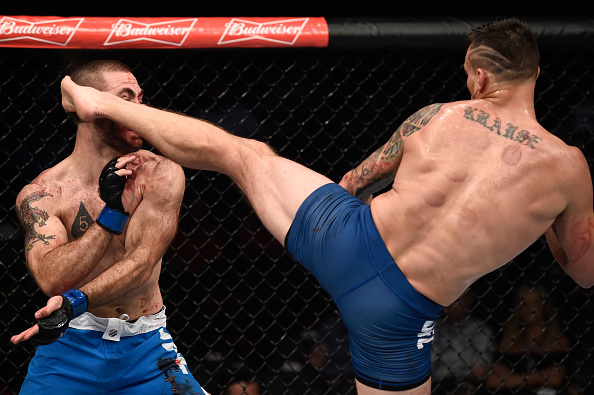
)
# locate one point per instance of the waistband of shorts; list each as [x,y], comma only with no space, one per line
[389,385]
[144,324]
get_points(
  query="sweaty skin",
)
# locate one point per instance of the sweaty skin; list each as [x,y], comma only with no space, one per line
[65,205]
[473,183]
[460,214]
[477,182]
[64,247]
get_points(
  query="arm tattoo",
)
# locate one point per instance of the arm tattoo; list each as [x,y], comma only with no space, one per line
[422,117]
[371,171]
[30,216]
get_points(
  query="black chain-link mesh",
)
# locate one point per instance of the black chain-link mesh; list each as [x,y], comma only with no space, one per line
[238,305]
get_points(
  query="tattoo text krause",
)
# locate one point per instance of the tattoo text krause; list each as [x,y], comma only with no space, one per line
[511,131]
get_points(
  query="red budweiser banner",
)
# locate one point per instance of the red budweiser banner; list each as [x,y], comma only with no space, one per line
[113,32]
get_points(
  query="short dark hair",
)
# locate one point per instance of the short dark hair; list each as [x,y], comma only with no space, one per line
[507,48]
[91,73]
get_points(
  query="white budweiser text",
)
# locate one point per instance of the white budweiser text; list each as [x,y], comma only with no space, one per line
[11,27]
[127,29]
[238,29]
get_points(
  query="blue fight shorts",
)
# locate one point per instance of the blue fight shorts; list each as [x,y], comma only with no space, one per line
[390,324]
[111,356]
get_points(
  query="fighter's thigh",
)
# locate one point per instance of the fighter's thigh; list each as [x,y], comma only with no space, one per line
[153,366]
[68,363]
[276,187]
[174,378]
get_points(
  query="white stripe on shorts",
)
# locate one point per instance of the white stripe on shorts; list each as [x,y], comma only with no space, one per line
[114,328]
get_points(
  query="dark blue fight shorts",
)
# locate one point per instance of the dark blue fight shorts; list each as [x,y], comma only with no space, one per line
[390,324]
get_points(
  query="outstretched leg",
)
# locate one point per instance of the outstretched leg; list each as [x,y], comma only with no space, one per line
[275,186]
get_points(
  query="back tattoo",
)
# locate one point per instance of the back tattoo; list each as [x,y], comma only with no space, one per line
[510,131]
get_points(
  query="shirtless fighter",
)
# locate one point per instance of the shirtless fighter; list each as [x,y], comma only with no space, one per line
[474,183]
[88,228]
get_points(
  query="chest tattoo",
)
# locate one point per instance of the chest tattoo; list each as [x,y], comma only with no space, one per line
[82,222]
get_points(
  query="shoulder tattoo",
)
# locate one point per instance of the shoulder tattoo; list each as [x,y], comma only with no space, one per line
[377,166]
[408,127]
[421,118]
[31,216]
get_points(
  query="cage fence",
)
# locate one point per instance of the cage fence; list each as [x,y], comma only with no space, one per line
[238,305]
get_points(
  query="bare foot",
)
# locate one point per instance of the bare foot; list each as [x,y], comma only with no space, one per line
[80,99]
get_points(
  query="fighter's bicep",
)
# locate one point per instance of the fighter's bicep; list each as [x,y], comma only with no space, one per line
[577,238]
[42,229]
[575,226]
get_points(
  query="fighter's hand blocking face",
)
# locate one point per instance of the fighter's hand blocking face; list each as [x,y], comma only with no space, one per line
[116,188]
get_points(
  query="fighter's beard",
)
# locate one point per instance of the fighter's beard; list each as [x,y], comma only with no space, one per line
[120,139]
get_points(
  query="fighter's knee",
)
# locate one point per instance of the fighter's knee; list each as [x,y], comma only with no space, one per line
[252,160]
[261,148]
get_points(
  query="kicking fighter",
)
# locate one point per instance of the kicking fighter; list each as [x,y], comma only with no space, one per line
[473,184]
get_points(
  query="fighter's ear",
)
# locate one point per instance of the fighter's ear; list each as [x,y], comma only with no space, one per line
[482,79]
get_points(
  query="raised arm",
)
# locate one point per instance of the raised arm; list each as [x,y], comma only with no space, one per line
[151,229]
[378,170]
[571,238]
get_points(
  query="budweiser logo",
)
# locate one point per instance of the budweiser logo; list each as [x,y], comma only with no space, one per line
[56,32]
[173,32]
[280,31]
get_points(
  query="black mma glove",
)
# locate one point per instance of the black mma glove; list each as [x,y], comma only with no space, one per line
[113,217]
[53,327]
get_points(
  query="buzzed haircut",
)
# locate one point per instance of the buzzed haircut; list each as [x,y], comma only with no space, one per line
[91,73]
[506,48]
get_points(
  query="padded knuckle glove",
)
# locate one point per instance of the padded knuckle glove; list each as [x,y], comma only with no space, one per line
[113,217]
[53,327]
